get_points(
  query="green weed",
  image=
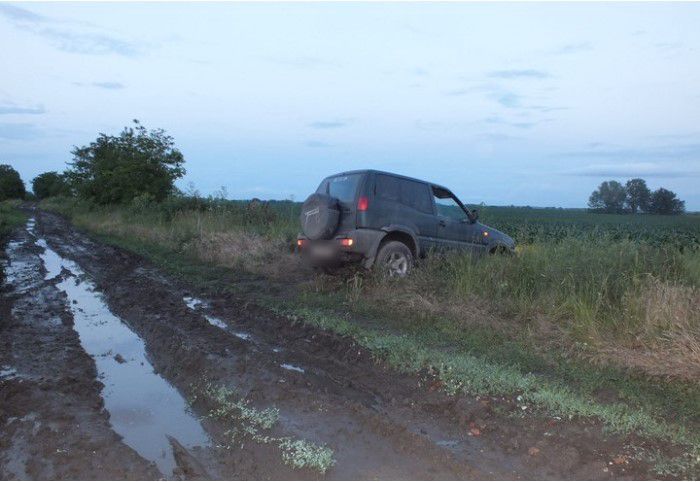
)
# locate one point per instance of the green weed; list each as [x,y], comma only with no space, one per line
[244,420]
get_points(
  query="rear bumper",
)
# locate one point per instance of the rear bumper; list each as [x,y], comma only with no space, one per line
[352,246]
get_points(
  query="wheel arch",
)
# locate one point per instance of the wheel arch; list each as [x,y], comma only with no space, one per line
[394,233]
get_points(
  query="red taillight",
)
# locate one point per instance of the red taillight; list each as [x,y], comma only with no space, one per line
[300,242]
[346,242]
[362,204]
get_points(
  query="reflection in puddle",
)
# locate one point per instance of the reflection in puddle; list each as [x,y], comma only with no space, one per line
[193,303]
[242,335]
[217,322]
[293,368]
[143,407]
[196,304]
[7,373]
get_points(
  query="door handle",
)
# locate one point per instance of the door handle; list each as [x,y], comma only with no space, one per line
[442,223]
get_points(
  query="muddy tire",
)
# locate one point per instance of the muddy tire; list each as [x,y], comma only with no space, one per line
[394,260]
[319,216]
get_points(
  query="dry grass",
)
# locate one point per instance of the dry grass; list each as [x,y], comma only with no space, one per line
[667,342]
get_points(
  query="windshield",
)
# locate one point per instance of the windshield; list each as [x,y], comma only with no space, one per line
[342,188]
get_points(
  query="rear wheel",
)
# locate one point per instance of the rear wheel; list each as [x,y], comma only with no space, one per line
[394,260]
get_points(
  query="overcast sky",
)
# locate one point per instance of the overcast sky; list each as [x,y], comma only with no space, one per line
[506,103]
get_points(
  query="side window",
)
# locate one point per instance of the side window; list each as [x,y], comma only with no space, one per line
[388,187]
[416,195]
[447,205]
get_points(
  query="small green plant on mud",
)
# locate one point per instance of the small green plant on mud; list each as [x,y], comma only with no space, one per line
[248,421]
[300,454]
[227,406]
[685,465]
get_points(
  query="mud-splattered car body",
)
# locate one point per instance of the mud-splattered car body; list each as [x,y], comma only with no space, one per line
[375,217]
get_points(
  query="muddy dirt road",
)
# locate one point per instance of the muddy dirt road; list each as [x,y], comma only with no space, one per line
[111,369]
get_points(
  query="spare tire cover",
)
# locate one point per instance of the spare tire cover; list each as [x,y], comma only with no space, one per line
[319,216]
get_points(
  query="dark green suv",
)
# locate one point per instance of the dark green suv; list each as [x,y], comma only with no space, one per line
[387,221]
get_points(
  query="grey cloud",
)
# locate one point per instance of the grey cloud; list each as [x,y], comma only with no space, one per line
[67,39]
[519,74]
[108,85]
[330,124]
[500,121]
[639,169]
[545,108]
[457,92]
[88,43]
[317,144]
[20,14]
[508,99]
[664,152]
[15,109]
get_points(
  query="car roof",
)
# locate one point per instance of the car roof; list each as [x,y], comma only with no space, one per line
[374,171]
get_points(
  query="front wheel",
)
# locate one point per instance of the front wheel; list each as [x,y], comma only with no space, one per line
[394,260]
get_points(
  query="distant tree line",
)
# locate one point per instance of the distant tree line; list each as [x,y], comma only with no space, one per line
[634,197]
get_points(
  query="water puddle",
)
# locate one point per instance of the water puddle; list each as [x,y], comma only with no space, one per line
[293,368]
[217,322]
[16,271]
[143,407]
[195,304]
[7,373]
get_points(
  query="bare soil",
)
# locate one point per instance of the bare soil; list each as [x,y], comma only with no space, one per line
[56,391]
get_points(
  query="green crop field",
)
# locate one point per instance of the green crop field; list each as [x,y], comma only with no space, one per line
[528,225]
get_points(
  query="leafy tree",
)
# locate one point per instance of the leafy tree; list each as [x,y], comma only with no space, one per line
[664,201]
[11,185]
[50,184]
[638,195]
[609,197]
[117,169]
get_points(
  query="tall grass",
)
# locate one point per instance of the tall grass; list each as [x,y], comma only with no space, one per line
[235,234]
[589,282]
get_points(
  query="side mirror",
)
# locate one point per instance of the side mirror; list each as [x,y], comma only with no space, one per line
[474,215]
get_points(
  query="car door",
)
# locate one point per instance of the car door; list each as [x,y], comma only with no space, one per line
[404,203]
[455,229]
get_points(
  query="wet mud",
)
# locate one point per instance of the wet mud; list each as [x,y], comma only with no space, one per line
[103,358]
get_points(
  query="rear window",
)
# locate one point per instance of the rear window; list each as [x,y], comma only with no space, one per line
[342,188]
[409,193]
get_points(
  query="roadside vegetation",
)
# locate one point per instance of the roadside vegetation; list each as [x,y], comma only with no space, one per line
[10,218]
[596,316]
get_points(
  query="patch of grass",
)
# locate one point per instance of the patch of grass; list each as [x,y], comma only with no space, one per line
[244,420]
[11,217]
[465,373]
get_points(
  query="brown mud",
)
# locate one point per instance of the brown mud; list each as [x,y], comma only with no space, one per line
[100,351]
